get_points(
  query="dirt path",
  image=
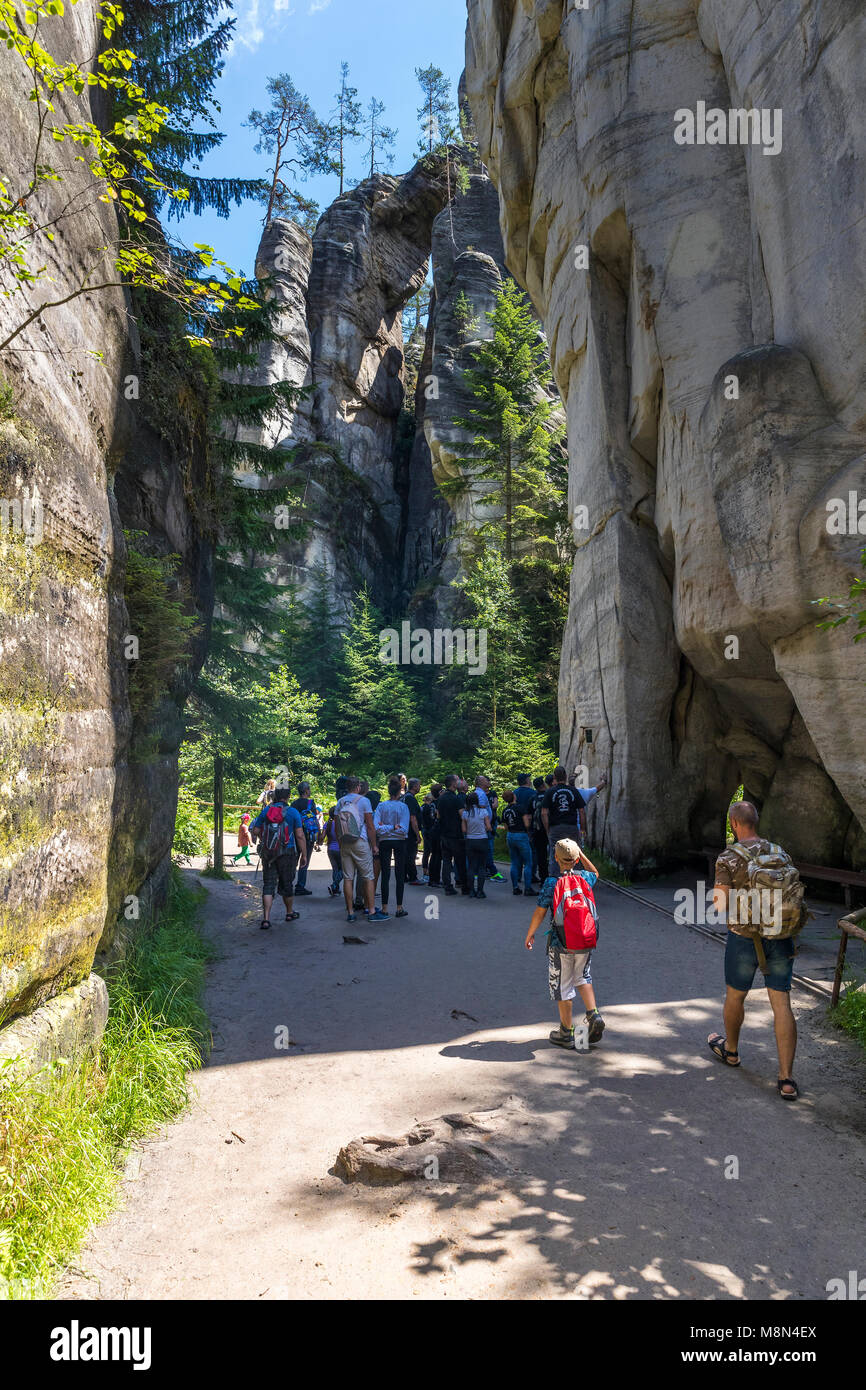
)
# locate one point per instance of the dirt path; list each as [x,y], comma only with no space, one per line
[620,1156]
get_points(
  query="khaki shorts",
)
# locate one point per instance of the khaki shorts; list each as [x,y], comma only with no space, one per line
[357,854]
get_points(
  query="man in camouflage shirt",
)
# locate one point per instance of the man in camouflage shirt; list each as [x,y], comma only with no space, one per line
[741,958]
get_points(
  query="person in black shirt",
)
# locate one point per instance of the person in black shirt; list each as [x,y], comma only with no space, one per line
[412,787]
[560,814]
[449,806]
[539,834]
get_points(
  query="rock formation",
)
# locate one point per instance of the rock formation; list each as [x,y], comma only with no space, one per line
[86,818]
[369,469]
[704,305]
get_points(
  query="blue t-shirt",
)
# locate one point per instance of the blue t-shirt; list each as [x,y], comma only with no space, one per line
[291,817]
[524,799]
[545,896]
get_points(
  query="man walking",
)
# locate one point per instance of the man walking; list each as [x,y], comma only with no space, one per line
[738,869]
[281,849]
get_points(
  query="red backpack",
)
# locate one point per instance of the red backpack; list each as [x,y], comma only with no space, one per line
[277,836]
[574,914]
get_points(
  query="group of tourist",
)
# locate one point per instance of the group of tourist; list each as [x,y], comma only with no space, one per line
[371,839]
[455,825]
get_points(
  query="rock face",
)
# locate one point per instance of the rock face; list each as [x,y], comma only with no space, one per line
[86,820]
[708,345]
[370,463]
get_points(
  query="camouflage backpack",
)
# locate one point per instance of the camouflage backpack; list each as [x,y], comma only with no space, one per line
[771,906]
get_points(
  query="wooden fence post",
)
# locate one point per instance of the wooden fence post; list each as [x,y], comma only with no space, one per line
[218,814]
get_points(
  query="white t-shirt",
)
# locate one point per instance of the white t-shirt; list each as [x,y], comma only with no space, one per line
[391,819]
[474,821]
[362,809]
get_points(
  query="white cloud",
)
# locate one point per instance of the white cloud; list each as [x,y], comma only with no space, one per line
[282,5]
[249,30]
[316,6]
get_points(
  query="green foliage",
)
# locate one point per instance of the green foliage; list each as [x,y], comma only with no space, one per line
[192,827]
[345,126]
[466,321]
[436,112]
[852,607]
[515,456]
[379,138]
[180,48]
[157,619]
[81,165]
[850,1012]
[373,710]
[515,747]
[64,1131]
[7,401]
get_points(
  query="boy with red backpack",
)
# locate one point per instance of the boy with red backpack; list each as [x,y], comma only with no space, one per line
[571,937]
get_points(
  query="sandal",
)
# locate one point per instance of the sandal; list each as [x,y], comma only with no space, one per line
[292,916]
[788,1081]
[716,1044]
[265,925]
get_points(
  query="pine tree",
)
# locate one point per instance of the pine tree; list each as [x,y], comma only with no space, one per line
[345,127]
[436,112]
[291,132]
[380,138]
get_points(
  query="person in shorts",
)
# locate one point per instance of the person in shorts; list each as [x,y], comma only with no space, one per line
[356,856]
[278,874]
[741,960]
[568,972]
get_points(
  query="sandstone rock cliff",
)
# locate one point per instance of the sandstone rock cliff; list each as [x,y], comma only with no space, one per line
[85,820]
[691,652]
[368,472]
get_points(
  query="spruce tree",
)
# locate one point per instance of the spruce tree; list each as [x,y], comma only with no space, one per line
[180,48]
[514,459]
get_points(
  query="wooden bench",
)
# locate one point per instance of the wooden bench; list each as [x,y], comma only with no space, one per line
[846,878]
[852,925]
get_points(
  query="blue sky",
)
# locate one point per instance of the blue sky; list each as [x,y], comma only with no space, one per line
[382,42]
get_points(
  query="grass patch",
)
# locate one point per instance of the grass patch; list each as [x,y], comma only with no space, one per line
[850,1012]
[64,1131]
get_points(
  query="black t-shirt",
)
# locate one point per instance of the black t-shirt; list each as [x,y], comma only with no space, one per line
[512,819]
[374,798]
[563,805]
[414,808]
[448,806]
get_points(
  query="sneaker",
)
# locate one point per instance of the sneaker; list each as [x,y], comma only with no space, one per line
[562,1037]
[529,893]
[481,893]
[377,916]
[596,1026]
[303,892]
[498,877]
[518,892]
[451,892]
[350,917]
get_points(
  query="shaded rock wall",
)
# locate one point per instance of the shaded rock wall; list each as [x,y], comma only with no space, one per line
[83,824]
[705,516]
